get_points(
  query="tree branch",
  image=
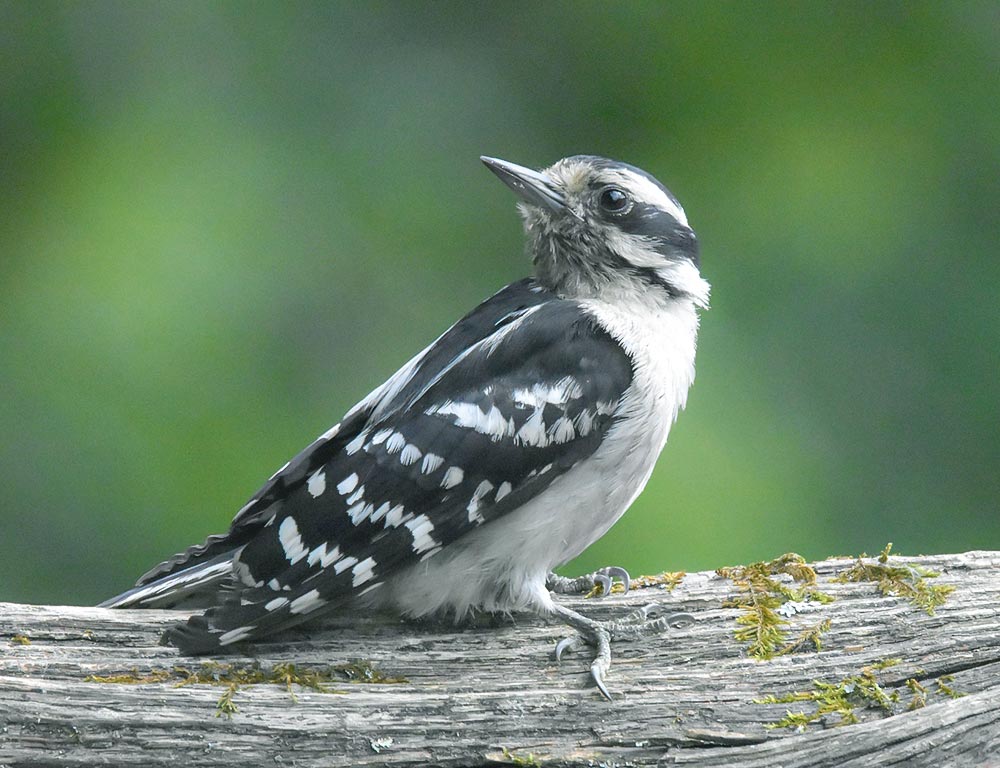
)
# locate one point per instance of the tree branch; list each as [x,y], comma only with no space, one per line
[85,686]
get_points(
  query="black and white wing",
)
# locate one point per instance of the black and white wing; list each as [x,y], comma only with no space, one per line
[514,395]
[190,578]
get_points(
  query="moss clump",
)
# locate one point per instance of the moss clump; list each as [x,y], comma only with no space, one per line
[365,671]
[233,677]
[809,636]
[667,579]
[526,760]
[225,706]
[845,697]
[761,597]
[918,692]
[944,688]
[905,581]
[133,677]
[841,698]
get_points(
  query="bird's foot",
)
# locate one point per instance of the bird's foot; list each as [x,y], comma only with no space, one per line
[600,634]
[584,585]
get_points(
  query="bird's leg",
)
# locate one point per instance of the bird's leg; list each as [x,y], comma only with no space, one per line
[603,577]
[599,634]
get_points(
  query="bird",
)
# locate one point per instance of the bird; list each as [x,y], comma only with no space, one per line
[498,453]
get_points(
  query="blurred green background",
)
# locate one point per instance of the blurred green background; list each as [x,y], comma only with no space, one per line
[221,224]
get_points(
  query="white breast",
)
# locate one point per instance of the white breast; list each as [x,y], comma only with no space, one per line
[502,566]
[661,342]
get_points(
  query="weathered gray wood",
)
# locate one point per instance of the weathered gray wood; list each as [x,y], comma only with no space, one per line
[685,698]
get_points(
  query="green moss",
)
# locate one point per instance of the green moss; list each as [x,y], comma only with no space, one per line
[217,673]
[760,625]
[365,671]
[905,581]
[669,579]
[525,760]
[919,694]
[840,699]
[809,636]
[226,707]
[844,698]
[132,677]
[944,688]
[796,720]
[232,676]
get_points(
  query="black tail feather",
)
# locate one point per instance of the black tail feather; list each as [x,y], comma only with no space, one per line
[197,586]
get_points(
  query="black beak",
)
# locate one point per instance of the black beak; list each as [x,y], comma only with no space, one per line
[531,186]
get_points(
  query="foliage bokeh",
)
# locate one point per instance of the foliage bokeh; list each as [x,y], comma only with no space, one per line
[223,223]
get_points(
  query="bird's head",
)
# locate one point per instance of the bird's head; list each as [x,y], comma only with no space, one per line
[597,226]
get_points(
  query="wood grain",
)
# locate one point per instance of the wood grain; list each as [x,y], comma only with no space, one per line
[492,694]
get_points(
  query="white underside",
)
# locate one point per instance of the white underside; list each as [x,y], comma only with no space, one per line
[503,565]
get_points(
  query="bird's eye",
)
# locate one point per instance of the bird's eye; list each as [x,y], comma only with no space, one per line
[614,200]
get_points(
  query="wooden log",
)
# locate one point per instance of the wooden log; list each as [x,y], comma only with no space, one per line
[491,694]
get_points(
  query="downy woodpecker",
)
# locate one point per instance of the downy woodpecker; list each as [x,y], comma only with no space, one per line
[499,452]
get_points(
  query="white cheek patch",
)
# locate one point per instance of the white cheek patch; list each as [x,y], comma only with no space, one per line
[640,252]
[635,249]
[685,276]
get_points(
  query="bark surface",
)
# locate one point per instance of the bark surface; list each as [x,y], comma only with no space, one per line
[492,694]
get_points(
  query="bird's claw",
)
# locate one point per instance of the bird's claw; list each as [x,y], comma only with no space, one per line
[602,662]
[602,577]
[569,643]
[603,581]
[599,634]
[679,620]
[609,574]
